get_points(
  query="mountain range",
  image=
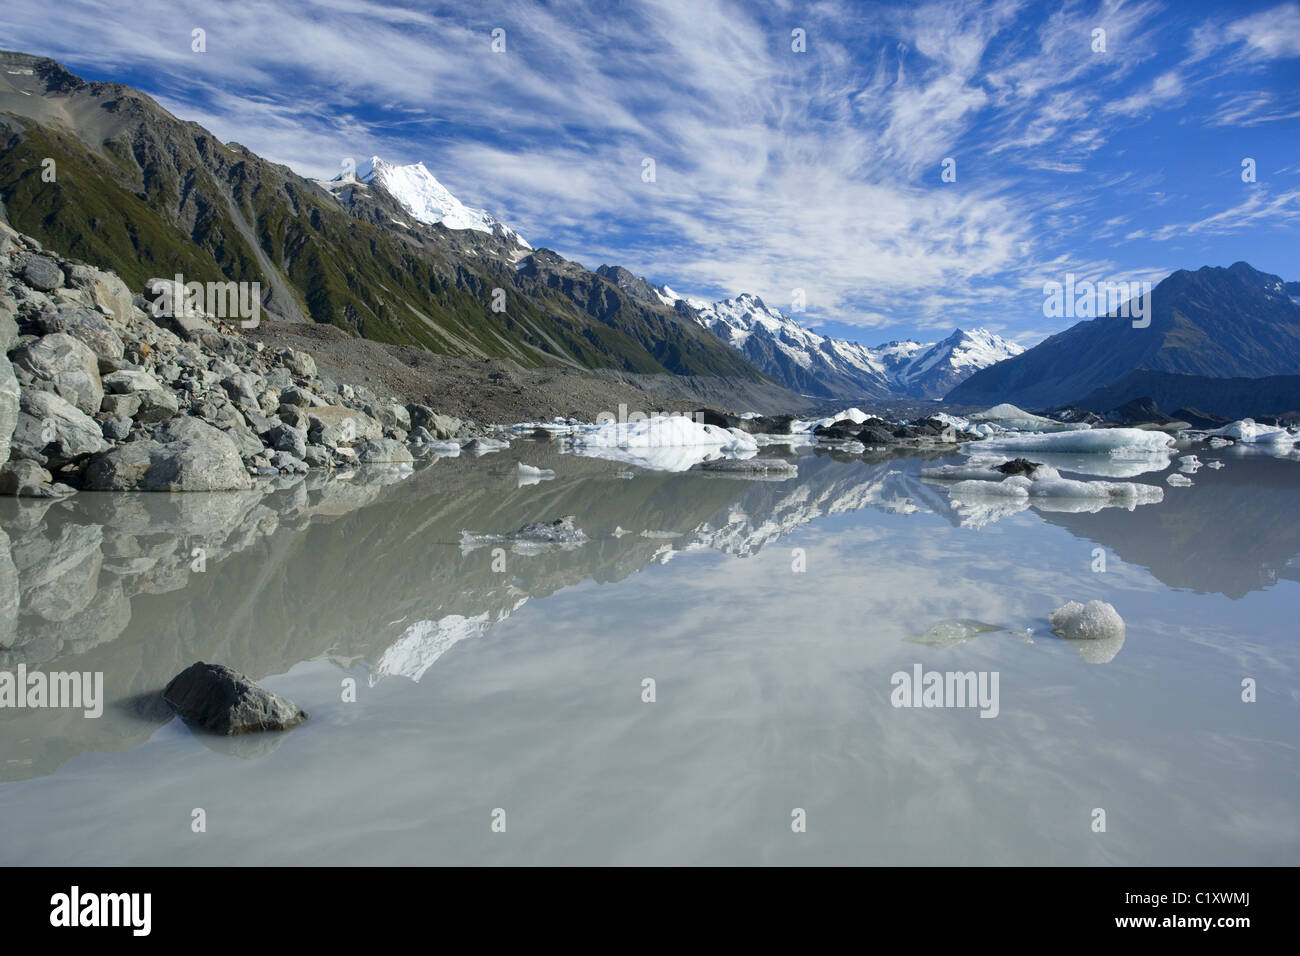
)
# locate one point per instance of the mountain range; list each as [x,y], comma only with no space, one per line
[829,367]
[146,194]
[1205,326]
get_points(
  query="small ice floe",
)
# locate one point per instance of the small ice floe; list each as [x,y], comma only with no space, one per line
[1214,463]
[533,538]
[1216,442]
[660,535]
[528,475]
[770,469]
[445,449]
[1095,629]
[953,632]
[1179,480]
[1189,464]
[484,446]
[619,531]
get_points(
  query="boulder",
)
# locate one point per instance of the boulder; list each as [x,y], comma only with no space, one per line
[120,406]
[83,324]
[67,363]
[10,395]
[40,272]
[216,698]
[300,364]
[8,324]
[107,291]
[383,450]
[390,416]
[24,478]
[184,454]
[441,426]
[126,381]
[333,426]
[284,438]
[156,405]
[52,431]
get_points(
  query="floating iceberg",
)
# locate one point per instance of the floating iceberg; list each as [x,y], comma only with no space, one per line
[662,443]
[982,501]
[1122,442]
[1179,480]
[1251,432]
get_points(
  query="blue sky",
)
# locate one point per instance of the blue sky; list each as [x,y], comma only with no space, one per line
[775,170]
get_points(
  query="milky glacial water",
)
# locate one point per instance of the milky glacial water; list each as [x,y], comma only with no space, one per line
[521,690]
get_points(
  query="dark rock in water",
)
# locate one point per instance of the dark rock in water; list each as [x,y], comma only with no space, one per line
[1199,419]
[906,431]
[707,416]
[838,431]
[766,424]
[875,435]
[1018,466]
[224,701]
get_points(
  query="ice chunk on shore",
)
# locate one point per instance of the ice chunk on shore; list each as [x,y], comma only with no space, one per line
[1092,441]
[1093,621]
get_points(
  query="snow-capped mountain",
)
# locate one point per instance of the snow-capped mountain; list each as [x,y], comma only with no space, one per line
[428,200]
[936,369]
[817,365]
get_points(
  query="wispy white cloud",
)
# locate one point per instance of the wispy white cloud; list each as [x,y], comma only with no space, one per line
[775,170]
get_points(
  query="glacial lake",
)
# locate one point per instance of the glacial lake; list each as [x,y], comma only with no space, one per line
[507,691]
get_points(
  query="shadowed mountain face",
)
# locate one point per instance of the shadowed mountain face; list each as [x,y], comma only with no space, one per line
[376,573]
[1214,322]
[146,194]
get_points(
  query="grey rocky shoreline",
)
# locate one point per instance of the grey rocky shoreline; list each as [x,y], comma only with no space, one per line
[98,393]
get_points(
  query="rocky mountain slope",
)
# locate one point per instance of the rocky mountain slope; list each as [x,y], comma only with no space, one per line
[1214,323]
[146,194]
